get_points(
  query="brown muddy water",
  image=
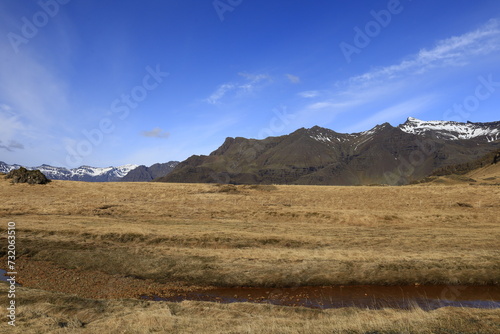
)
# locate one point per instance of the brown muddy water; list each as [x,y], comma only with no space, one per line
[5,278]
[365,296]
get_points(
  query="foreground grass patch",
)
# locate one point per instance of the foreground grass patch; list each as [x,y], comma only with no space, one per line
[44,312]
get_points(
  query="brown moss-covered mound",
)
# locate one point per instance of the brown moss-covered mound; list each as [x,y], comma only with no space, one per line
[22,175]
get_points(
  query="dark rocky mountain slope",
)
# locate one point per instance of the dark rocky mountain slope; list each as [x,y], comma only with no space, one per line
[145,174]
[320,156]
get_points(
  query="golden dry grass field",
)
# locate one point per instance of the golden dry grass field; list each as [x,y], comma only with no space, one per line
[116,240]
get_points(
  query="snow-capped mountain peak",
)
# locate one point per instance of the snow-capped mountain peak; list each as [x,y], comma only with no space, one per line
[82,173]
[451,130]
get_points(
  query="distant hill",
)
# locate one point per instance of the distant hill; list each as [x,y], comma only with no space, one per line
[484,170]
[466,167]
[382,155]
[489,174]
[146,174]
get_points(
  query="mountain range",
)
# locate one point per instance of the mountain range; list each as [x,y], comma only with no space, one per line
[316,156]
[99,174]
[319,156]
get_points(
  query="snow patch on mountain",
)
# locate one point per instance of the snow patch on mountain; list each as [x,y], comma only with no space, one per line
[451,130]
[328,136]
[322,138]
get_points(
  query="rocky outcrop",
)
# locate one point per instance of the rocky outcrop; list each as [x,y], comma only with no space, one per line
[22,175]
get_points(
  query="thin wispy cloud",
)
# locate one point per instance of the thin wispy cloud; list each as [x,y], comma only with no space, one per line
[237,89]
[33,99]
[254,78]
[11,146]
[321,105]
[404,109]
[347,98]
[220,93]
[156,133]
[453,51]
[21,79]
[399,82]
[293,79]
[6,108]
[10,123]
[309,94]
[336,105]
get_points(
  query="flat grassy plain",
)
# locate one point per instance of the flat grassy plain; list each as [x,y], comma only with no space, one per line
[159,237]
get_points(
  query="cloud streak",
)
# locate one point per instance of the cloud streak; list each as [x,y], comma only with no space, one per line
[404,109]
[309,94]
[11,146]
[293,79]
[252,82]
[398,82]
[155,133]
[454,51]
[220,93]
[10,123]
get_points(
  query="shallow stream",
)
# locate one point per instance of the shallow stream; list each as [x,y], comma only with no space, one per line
[427,297]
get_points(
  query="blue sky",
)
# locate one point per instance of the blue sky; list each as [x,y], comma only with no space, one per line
[106,83]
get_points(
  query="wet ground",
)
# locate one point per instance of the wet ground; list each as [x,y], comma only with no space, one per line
[5,278]
[98,285]
[46,276]
[2,275]
[366,296]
